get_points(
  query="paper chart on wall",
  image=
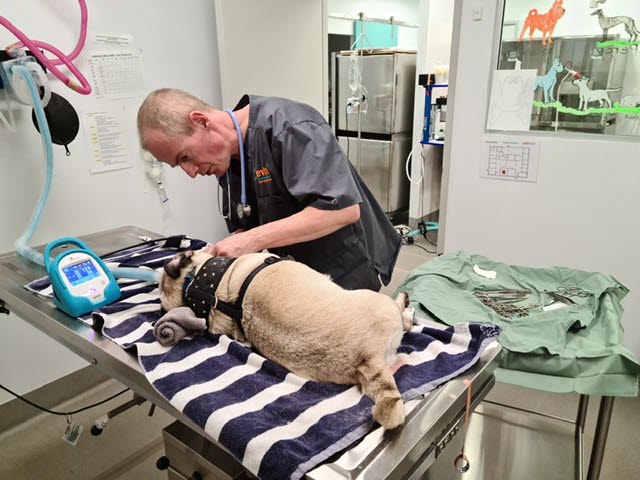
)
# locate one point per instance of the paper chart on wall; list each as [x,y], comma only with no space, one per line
[106,140]
[511,100]
[117,74]
[515,160]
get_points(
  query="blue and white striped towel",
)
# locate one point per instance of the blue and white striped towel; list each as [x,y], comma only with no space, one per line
[275,423]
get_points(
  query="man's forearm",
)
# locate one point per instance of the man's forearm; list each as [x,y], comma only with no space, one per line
[309,224]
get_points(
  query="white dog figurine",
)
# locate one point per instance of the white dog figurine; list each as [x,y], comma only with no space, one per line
[587,95]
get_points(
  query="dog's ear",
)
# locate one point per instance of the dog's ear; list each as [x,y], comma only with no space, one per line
[174,266]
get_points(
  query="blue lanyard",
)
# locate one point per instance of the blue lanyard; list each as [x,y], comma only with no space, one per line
[243,193]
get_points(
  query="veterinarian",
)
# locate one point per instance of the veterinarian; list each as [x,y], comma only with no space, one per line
[301,196]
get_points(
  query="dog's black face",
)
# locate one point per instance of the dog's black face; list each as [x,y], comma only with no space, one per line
[174,266]
[171,282]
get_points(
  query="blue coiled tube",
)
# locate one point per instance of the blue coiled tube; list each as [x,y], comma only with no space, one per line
[137,273]
[21,244]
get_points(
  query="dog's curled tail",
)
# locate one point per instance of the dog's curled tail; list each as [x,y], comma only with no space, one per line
[532,12]
[378,384]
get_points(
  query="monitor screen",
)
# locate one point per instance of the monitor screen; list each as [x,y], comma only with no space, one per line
[80,272]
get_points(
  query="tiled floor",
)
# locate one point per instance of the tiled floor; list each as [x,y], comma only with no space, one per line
[131,443]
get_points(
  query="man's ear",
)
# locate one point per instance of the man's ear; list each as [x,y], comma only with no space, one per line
[198,119]
[174,266]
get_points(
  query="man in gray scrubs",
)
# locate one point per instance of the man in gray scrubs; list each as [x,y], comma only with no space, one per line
[305,198]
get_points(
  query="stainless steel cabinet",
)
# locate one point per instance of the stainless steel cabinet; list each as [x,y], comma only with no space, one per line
[382,168]
[389,79]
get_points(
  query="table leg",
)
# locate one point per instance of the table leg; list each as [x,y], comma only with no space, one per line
[600,438]
[579,436]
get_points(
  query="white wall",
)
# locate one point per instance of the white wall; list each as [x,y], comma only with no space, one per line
[297,31]
[179,47]
[580,213]
[434,48]
[401,10]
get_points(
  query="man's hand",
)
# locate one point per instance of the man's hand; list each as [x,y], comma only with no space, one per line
[235,245]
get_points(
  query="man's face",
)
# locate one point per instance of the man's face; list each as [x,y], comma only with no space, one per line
[204,152]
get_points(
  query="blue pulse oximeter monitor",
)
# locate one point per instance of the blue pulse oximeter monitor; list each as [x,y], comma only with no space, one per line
[81,282]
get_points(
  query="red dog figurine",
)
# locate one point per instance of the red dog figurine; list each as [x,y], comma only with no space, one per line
[545,22]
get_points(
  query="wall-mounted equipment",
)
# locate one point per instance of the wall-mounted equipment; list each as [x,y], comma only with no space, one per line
[435,110]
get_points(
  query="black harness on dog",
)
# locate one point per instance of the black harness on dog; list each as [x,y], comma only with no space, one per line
[199,289]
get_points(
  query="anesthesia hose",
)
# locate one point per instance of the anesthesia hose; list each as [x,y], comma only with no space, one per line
[21,244]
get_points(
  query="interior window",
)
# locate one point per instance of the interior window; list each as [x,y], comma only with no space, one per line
[586,58]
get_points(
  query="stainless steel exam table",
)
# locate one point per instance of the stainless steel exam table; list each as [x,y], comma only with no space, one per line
[404,454]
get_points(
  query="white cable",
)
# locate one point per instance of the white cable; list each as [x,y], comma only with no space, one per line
[406,166]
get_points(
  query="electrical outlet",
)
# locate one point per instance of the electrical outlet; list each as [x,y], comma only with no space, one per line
[477,13]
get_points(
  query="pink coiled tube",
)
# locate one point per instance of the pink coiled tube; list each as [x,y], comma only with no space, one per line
[81,39]
[83,88]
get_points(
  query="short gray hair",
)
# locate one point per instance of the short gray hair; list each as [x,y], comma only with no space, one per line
[167,110]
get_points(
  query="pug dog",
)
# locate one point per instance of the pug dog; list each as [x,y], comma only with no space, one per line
[301,320]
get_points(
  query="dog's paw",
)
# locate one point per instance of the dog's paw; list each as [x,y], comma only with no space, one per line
[389,412]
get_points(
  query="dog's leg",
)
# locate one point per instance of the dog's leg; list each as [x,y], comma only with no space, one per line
[379,385]
[403,302]
[551,34]
[531,30]
[524,29]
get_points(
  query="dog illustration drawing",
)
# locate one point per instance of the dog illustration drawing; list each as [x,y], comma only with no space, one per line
[609,22]
[587,95]
[547,82]
[545,22]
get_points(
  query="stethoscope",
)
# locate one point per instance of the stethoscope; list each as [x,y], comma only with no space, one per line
[243,209]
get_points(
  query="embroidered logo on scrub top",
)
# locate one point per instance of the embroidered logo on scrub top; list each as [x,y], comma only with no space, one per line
[263,176]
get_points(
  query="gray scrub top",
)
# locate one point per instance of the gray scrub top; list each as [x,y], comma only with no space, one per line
[293,161]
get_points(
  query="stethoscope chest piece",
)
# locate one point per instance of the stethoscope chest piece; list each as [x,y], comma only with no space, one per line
[243,210]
